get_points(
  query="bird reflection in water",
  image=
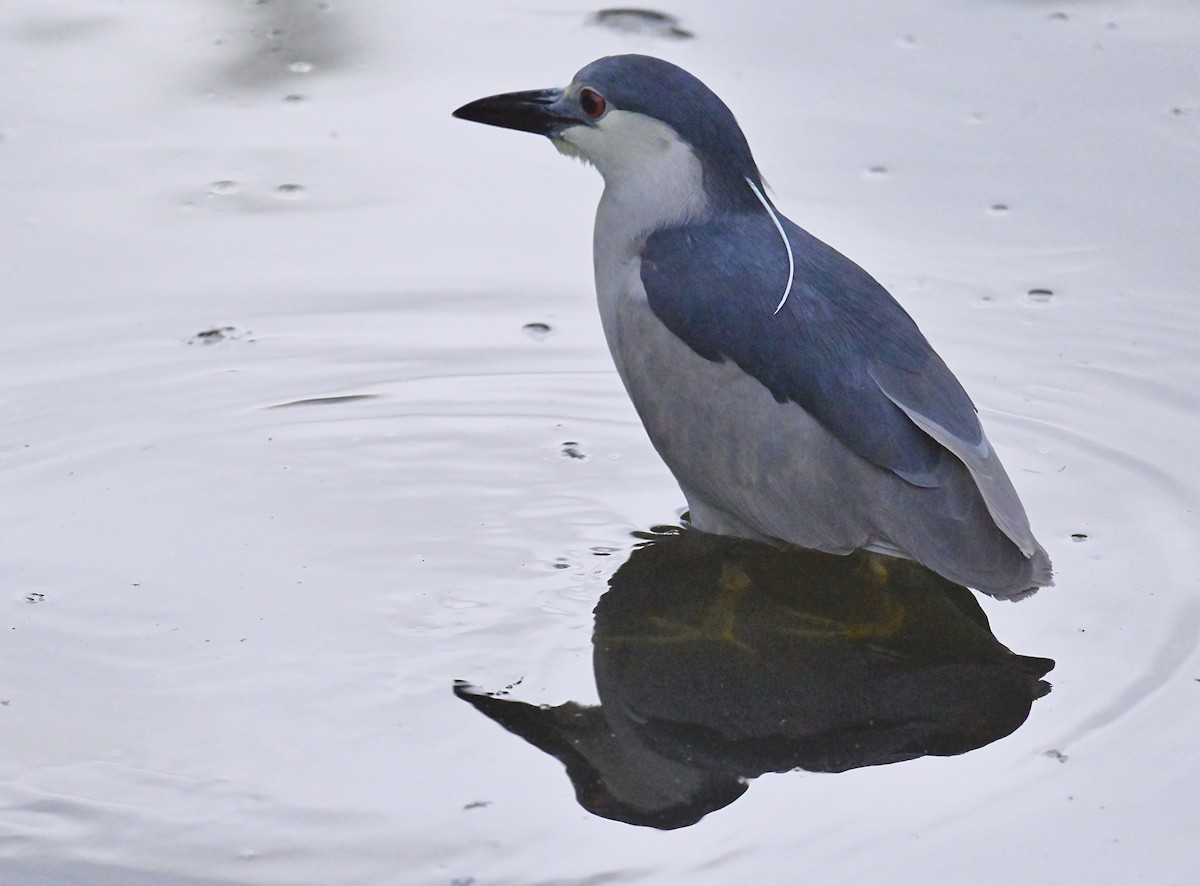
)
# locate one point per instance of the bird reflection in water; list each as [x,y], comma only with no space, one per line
[719,659]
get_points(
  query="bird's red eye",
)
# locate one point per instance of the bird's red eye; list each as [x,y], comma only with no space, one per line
[593,103]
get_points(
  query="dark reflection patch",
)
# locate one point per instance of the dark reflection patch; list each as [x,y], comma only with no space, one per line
[718,660]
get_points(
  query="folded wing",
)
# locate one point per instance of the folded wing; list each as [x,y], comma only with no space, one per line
[840,347]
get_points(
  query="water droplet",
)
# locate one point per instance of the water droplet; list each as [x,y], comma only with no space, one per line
[1058,16]
[571,449]
[222,188]
[1078,536]
[877,171]
[537,331]
[1040,296]
[998,209]
[560,563]
[300,67]
[290,191]
[295,98]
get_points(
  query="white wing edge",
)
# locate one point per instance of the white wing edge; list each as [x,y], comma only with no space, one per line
[989,475]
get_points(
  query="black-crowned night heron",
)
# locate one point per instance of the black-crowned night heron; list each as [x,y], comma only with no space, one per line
[791,396]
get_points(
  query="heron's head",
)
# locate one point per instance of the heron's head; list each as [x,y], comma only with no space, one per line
[640,121]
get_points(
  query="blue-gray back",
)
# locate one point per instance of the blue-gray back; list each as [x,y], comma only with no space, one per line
[840,347]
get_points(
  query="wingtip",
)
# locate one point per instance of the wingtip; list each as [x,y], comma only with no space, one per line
[1041,575]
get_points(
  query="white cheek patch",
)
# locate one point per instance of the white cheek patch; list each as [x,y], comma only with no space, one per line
[621,138]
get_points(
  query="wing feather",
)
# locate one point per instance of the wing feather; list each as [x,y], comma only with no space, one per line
[840,347]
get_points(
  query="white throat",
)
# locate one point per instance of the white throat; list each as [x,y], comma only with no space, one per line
[652,178]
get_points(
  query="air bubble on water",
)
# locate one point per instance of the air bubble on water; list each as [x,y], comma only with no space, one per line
[537,331]
[876,171]
[646,22]
[570,449]
[1040,296]
[300,67]
[224,187]
[295,98]
[998,209]
[290,191]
